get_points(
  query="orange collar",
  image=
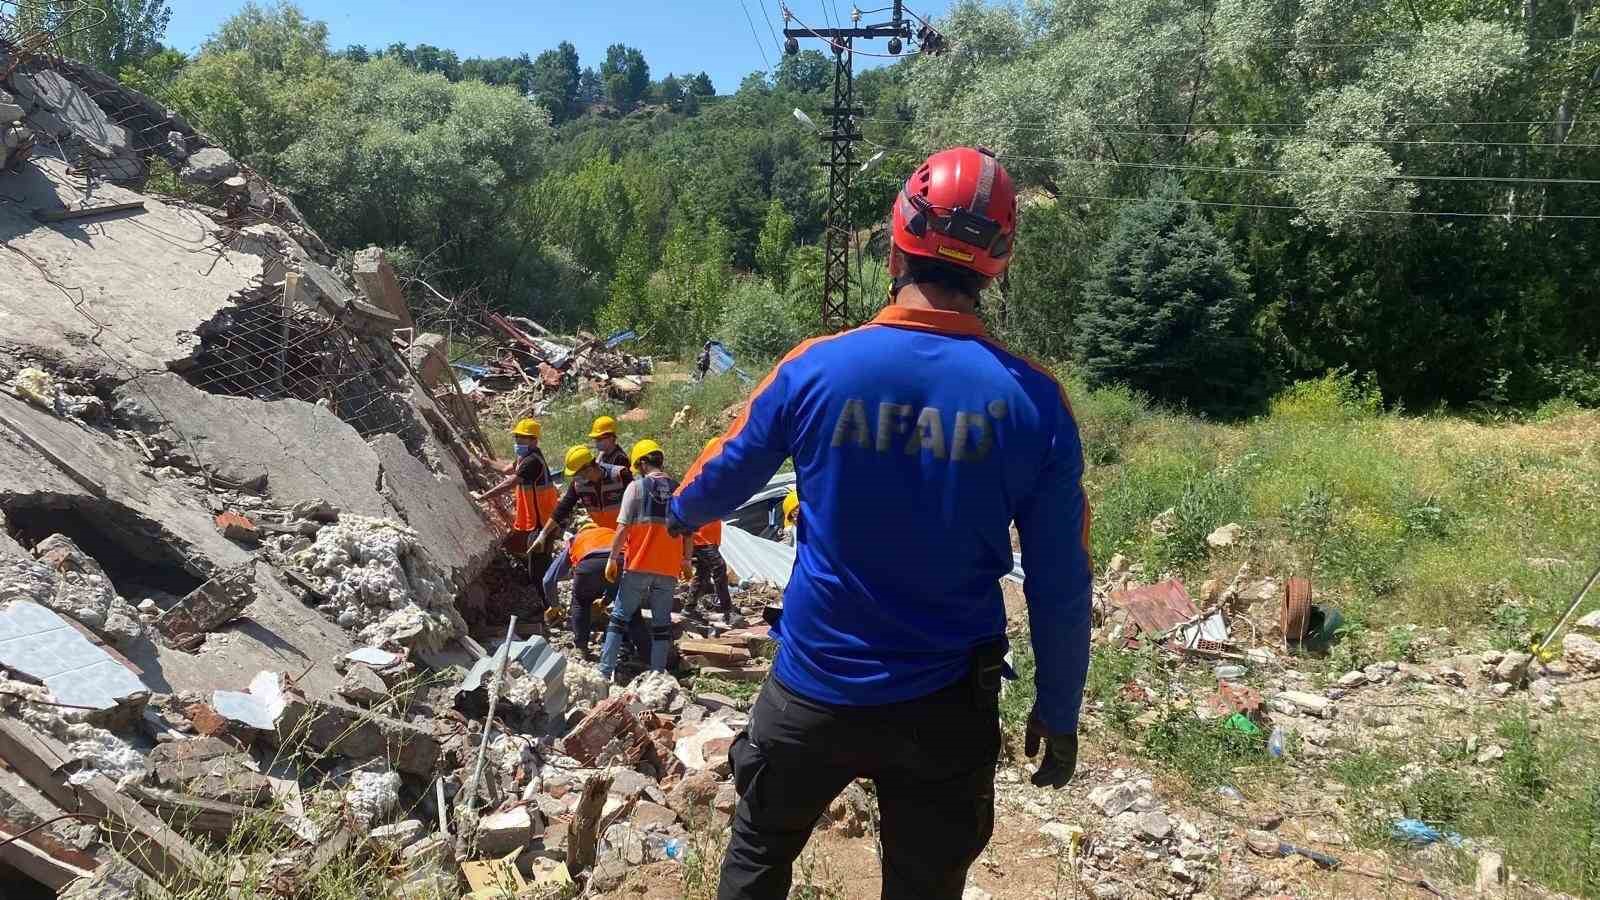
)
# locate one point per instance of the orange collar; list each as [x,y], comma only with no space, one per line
[931,320]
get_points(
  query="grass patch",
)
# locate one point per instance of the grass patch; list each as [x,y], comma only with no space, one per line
[743,691]
[1204,751]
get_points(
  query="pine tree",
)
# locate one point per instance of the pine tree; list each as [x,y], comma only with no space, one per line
[1167,310]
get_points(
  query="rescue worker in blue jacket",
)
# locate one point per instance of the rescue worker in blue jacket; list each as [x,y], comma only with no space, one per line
[917,442]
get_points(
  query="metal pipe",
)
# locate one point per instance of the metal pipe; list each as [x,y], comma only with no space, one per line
[1571,608]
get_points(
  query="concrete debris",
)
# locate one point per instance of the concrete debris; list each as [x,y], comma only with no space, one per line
[1589,623]
[208,166]
[1225,536]
[973,892]
[658,692]
[218,601]
[117,879]
[1155,826]
[382,581]
[372,796]
[84,592]
[397,836]
[363,687]
[1491,873]
[1311,704]
[1581,652]
[502,832]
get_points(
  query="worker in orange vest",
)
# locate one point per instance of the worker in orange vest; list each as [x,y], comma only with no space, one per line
[529,476]
[710,569]
[656,559]
[585,558]
[596,485]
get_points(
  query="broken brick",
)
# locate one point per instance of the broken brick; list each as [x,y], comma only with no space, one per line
[236,527]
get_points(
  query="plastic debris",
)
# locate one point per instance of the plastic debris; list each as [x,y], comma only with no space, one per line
[1420,834]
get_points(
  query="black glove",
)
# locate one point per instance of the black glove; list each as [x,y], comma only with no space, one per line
[1060,758]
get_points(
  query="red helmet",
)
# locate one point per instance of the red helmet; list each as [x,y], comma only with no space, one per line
[960,207]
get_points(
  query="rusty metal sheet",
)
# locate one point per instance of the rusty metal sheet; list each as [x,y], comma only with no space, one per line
[1296,614]
[1156,608]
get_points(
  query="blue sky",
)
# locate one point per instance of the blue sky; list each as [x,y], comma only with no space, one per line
[675,35]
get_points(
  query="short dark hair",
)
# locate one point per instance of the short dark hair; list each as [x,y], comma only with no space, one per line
[951,277]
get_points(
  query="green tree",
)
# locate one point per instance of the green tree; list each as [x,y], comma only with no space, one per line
[278,38]
[775,244]
[625,74]
[806,72]
[1167,309]
[155,74]
[700,86]
[555,81]
[107,34]
[428,58]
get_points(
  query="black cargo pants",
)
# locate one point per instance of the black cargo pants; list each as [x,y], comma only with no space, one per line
[711,577]
[588,585]
[932,760]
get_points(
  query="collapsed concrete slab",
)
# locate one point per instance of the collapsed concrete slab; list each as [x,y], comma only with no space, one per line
[154,275]
[304,450]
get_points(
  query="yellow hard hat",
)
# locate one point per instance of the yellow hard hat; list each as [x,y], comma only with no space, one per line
[642,449]
[791,504]
[577,458]
[603,426]
[527,428]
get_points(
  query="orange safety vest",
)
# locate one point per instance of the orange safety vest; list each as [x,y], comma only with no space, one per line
[535,493]
[709,535]
[603,498]
[591,542]
[650,548]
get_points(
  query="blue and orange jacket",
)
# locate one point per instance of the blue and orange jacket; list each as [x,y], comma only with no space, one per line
[917,441]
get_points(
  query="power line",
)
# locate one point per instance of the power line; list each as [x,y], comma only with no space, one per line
[1274,138]
[764,61]
[1245,170]
[777,44]
[1392,212]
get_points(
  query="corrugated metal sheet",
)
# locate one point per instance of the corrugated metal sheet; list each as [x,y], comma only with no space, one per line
[757,559]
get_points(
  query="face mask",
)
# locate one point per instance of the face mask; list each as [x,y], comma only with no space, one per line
[523,450]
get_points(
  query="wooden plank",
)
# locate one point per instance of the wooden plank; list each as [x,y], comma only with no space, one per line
[130,828]
[62,215]
[37,863]
[722,653]
[748,673]
[191,814]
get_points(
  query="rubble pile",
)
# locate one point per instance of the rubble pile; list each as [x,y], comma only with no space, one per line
[381,581]
[525,371]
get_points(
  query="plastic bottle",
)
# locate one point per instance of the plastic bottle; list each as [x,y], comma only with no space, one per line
[1230,673]
[675,848]
[1275,743]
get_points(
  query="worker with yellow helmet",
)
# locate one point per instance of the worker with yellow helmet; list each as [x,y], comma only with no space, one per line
[529,476]
[608,451]
[597,485]
[791,516]
[655,558]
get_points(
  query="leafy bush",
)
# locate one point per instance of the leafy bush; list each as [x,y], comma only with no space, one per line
[757,322]
[1208,500]
[1340,395]
[1511,626]
[1106,419]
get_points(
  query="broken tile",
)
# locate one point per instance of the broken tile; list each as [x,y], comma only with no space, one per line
[43,647]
